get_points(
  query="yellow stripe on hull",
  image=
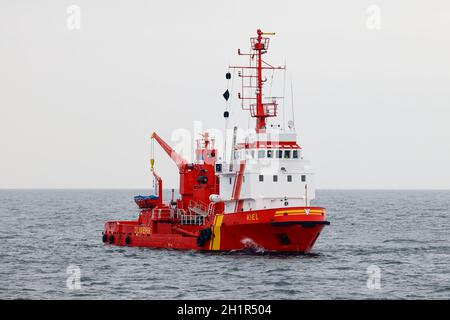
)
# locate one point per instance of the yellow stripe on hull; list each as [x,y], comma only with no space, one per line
[298,212]
[215,241]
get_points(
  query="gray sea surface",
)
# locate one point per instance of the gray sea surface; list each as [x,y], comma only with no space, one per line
[403,234]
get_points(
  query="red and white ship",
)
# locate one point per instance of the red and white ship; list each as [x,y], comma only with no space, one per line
[257,199]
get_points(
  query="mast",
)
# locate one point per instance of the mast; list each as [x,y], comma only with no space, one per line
[257,107]
[260,114]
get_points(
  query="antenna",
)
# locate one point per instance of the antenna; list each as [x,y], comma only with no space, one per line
[292,104]
[284,94]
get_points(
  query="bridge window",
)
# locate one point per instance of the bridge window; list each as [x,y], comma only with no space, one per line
[279,154]
[289,178]
[275,178]
[269,153]
[261,154]
[261,178]
[303,178]
[287,154]
[295,154]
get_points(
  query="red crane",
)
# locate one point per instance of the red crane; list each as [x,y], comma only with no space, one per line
[179,160]
[197,180]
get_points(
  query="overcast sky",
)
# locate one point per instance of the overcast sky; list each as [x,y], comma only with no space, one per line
[77,106]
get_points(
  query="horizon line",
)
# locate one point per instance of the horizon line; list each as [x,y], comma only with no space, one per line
[143,188]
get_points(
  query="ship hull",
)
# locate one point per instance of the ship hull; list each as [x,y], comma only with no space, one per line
[274,230]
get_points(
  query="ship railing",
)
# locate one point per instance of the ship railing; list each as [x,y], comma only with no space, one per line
[198,207]
[270,109]
[174,213]
[165,214]
[192,219]
[178,213]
